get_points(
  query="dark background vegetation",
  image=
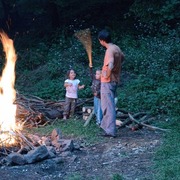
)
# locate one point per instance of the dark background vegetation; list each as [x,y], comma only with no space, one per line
[147,32]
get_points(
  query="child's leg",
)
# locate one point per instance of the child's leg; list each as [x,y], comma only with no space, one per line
[95,106]
[99,111]
[73,106]
[67,106]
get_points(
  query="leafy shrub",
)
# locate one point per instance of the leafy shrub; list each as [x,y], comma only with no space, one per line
[155,57]
[144,94]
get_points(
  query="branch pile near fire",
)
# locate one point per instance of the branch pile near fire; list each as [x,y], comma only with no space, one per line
[33,111]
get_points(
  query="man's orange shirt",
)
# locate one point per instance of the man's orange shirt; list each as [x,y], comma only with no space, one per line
[104,77]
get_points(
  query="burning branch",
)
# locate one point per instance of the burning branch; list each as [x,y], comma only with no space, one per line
[85,38]
[8,93]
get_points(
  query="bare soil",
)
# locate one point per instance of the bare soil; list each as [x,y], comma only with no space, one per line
[129,155]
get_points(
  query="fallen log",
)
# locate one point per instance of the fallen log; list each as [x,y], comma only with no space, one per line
[125,123]
[81,102]
[87,109]
[85,116]
[89,118]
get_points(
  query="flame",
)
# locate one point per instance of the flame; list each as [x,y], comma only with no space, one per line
[7,93]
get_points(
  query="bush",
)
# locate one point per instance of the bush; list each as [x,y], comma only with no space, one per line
[155,57]
[144,94]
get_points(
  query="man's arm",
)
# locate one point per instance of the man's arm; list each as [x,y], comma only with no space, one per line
[110,57]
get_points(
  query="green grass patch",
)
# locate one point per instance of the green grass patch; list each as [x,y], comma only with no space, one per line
[73,128]
[167,158]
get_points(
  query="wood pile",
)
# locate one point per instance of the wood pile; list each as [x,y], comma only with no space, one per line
[125,119]
[87,110]
[33,111]
[135,121]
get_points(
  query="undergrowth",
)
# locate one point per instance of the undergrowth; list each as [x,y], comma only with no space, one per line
[167,158]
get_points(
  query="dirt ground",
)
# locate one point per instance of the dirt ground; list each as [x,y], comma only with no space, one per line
[129,155]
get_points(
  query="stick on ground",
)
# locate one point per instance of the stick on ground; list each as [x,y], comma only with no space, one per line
[89,118]
[146,125]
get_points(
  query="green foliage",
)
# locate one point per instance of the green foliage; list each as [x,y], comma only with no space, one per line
[117,177]
[145,94]
[155,17]
[155,63]
[155,57]
[50,89]
[75,176]
[32,57]
[156,11]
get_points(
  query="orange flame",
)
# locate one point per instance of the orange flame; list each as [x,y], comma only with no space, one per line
[7,93]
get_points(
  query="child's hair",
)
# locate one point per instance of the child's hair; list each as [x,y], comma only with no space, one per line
[98,70]
[68,73]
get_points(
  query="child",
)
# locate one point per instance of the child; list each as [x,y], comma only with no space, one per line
[96,86]
[72,85]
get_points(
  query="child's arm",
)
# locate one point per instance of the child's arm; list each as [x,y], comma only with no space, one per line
[81,86]
[66,84]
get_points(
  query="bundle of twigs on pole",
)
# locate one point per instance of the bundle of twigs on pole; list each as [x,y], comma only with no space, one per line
[84,37]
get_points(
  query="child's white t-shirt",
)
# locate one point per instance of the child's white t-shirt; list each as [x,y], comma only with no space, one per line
[72,91]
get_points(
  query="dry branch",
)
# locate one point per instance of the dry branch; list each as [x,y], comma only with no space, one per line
[146,125]
[89,118]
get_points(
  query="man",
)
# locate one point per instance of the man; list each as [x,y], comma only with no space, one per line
[109,80]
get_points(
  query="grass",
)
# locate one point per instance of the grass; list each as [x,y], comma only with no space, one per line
[167,158]
[73,128]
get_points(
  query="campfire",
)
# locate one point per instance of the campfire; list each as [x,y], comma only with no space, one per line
[18,148]
[8,126]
